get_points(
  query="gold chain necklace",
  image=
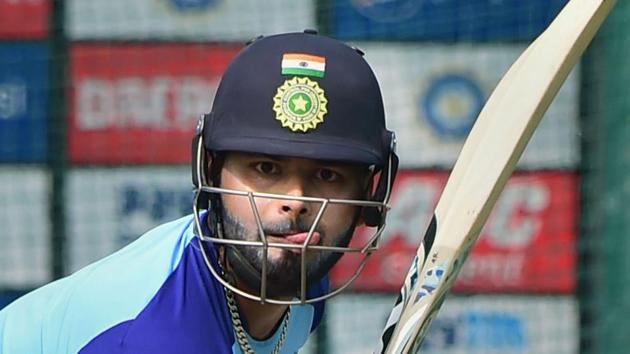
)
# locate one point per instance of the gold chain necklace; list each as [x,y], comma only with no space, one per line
[241,335]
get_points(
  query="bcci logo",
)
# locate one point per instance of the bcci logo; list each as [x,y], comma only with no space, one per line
[451,104]
[300,104]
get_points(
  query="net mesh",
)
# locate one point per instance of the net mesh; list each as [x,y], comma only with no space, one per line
[99,100]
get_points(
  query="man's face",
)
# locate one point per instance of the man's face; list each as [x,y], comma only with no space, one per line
[288,221]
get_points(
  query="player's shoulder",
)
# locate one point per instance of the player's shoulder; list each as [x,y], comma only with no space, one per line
[153,256]
[99,296]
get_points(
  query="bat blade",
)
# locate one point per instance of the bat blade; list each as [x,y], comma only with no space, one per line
[487,159]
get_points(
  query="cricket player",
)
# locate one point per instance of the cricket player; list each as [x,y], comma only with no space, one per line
[293,156]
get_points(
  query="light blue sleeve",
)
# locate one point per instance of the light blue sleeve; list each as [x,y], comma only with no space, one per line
[65,315]
[21,329]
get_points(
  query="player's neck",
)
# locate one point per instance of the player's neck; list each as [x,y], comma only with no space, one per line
[262,320]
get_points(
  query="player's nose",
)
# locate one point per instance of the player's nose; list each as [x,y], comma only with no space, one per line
[296,187]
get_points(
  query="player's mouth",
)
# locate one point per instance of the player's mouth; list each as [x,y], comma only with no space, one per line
[296,239]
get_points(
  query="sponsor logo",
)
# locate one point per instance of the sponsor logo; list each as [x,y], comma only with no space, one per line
[142,207]
[432,280]
[133,102]
[533,219]
[476,331]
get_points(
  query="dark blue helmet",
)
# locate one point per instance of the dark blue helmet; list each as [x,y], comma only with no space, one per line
[297,95]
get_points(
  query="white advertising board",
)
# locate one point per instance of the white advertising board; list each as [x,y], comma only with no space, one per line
[507,324]
[25,233]
[192,20]
[433,94]
[109,207]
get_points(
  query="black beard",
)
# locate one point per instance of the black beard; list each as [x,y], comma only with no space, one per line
[283,272]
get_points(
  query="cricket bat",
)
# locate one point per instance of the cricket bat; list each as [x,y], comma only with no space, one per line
[486,161]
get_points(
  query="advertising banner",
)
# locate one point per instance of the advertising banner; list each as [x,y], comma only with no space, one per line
[447,20]
[186,20]
[464,325]
[140,103]
[24,19]
[23,101]
[25,237]
[434,93]
[107,208]
[527,245]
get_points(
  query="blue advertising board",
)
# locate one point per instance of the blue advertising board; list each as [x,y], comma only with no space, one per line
[446,20]
[23,101]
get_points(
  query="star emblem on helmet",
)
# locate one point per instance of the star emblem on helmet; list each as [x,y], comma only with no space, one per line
[300,104]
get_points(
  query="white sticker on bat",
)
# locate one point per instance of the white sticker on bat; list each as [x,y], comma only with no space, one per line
[433,278]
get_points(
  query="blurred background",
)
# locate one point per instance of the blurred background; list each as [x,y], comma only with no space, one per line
[99,99]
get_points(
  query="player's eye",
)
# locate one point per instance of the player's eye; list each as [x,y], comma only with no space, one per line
[327,175]
[267,167]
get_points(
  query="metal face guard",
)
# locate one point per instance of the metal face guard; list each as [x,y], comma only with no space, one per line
[202,191]
[370,246]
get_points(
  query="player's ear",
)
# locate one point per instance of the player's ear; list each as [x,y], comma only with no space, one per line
[368,189]
[214,165]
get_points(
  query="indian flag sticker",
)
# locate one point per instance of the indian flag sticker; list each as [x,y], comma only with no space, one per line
[303,64]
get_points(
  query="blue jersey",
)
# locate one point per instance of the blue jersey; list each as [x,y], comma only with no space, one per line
[154,296]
